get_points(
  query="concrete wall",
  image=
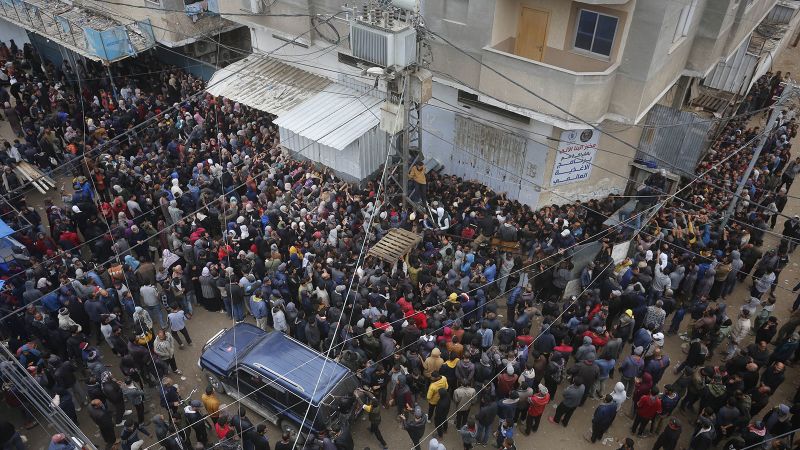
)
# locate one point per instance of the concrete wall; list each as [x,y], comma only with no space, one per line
[439,142]
[609,170]
[746,20]
[472,33]
[171,26]
[319,58]
[723,27]
[282,25]
[10,31]
[587,95]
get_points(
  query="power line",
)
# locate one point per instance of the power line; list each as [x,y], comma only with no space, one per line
[583,206]
[210,13]
[477,307]
[463,112]
[658,206]
[200,209]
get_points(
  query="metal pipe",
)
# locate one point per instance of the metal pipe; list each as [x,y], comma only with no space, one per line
[770,125]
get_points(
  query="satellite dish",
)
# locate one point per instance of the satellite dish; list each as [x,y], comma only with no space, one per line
[376,71]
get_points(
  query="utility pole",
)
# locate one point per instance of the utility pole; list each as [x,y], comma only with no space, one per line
[771,124]
[39,403]
[388,37]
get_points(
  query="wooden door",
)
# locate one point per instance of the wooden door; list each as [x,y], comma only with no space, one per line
[531,33]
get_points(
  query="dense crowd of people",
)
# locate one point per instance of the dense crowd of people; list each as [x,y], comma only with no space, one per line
[184,202]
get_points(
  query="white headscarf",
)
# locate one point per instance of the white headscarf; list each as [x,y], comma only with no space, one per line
[169,258]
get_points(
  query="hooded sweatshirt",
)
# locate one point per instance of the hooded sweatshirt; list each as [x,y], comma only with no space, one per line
[432,363]
[586,350]
[619,395]
[435,445]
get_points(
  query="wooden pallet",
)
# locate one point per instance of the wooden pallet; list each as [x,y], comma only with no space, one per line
[34,176]
[710,103]
[395,245]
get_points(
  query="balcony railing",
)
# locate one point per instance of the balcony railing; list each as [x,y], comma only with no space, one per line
[90,34]
[587,93]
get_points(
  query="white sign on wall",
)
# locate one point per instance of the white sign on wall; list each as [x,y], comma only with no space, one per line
[575,156]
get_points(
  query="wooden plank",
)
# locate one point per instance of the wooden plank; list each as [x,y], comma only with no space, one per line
[31,180]
[394,245]
[33,174]
[388,251]
[381,255]
[43,177]
[402,240]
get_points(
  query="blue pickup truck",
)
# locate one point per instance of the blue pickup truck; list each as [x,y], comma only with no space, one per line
[278,377]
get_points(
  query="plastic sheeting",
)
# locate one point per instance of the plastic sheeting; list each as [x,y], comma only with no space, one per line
[5,230]
[111,44]
[147,30]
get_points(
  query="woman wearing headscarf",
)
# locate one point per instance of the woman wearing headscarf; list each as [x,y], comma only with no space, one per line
[209,293]
[169,260]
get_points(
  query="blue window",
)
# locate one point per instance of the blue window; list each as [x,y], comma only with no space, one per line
[595,32]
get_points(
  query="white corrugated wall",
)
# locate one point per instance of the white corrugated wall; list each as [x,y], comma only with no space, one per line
[360,159]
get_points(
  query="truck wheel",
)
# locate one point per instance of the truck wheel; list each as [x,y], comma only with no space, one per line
[216,384]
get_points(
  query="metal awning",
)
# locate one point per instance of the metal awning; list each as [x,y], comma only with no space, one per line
[334,118]
[265,84]
[82,30]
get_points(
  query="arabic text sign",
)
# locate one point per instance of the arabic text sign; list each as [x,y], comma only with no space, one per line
[575,156]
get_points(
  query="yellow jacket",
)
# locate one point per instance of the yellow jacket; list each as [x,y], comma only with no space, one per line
[211,403]
[433,390]
[417,174]
[432,363]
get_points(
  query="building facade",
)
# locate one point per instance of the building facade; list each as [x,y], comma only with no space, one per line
[546,100]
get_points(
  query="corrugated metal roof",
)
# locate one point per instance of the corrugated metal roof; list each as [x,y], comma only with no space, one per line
[682,144]
[266,84]
[733,75]
[335,118]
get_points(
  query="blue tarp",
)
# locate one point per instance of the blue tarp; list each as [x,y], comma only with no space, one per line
[109,45]
[147,29]
[5,230]
[64,24]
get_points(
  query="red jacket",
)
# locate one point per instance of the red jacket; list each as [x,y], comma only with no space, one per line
[71,237]
[597,340]
[648,406]
[536,404]
[421,320]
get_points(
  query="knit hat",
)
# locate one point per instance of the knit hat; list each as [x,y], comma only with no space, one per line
[638,350]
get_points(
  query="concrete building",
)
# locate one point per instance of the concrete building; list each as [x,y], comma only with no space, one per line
[624,66]
[181,32]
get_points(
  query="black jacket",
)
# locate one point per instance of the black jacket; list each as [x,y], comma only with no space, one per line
[487,414]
